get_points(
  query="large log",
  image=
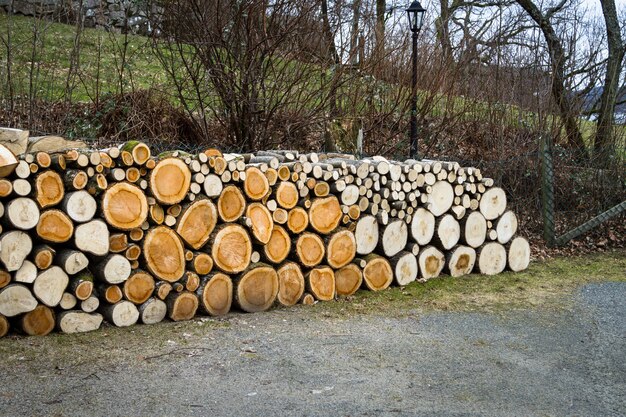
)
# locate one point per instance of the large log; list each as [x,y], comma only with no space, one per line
[121,314]
[320,282]
[340,248]
[297,220]
[181,306]
[290,284]
[261,221]
[256,288]
[124,206]
[92,237]
[405,268]
[14,141]
[287,195]
[80,206]
[16,299]
[22,213]
[164,254]
[474,229]
[460,261]
[348,280]
[38,322]
[72,261]
[325,214]
[448,232]
[231,204]
[215,294]
[196,223]
[518,257]
[50,285]
[15,246]
[506,227]
[256,185]
[431,262]
[366,235]
[78,322]
[310,249]
[170,180]
[138,287]
[55,226]
[393,238]
[440,198]
[49,189]
[377,274]
[493,203]
[422,226]
[231,248]
[113,269]
[152,311]
[491,258]
[278,246]
[26,273]
[8,161]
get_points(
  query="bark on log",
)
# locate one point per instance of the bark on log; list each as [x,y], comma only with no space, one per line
[72,261]
[377,274]
[81,285]
[164,254]
[256,288]
[38,322]
[139,151]
[290,284]
[348,280]
[215,294]
[124,206]
[78,322]
[196,223]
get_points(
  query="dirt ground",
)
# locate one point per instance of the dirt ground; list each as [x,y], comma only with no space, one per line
[554,360]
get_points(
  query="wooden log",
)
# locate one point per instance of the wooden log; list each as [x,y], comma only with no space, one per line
[231,248]
[460,261]
[5,278]
[4,326]
[16,299]
[49,189]
[68,301]
[15,246]
[80,206]
[405,268]
[72,261]
[118,242]
[215,294]
[366,235]
[191,281]
[170,180]
[138,287]
[297,220]
[164,254]
[493,203]
[139,151]
[348,280]
[202,263]
[310,249]
[97,184]
[340,248]
[506,227]
[50,285]
[256,288]
[75,179]
[196,223]
[26,273]
[21,188]
[157,214]
[121,314]
[377,274]
[13,142]
[256,185]
[181,306]
[325,214]
[320,282]
[308,299]
[92,237]
[261,221]
[55,226]
[21,213]
[422,226]
[280,216]
[6,188]
[212,186]
[78,321]
[38,322]
[393,238]
[8,161]
[448,232]
[113,269]
[231,204]
[43,256]
[491,258]
[163,289]
[90,305]
[431,262]
[440,198]
[290,284]
[518,254]
[152,311]
[81,285]
[287,195]
[278,247]
[473,229]
[124,206]
[111,293]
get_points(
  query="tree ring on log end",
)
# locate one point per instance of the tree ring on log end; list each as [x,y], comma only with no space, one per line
[124,206]
[170,180]
[164,254]
[231,248]
[257,289]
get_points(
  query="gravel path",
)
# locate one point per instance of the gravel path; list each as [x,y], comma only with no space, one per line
[547,362]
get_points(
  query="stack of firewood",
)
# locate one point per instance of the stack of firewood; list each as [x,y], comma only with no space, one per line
[121,235]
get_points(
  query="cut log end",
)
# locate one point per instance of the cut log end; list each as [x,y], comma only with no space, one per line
[431,262]
[231,248]
[321,283]
[38,322]
[257,289]
[518,254]
[170,180]
[290,284]
[341,249]
[348,280]
[216,294]
[377,274]
[124,206]
[310,249]
[164,254]
[181,306]
[278,246]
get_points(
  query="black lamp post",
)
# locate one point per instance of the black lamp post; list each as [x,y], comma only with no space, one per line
[415,13]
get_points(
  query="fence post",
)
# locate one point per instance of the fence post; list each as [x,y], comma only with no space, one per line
[547,189]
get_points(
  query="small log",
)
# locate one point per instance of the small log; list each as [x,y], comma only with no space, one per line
[491,258]
[278,247]
[307,299]
[164,254]
[405,268]
[518,257]
[163,289]
[377,274]
[138,287]
[196,223]
[448,232]
[15,246]
[422,226]
[297,220]
[21,188]
[256,185]
[5,278]
[215,294]
[231,248]
[90,305]
[78,322]
[506,227]
[290,284]
[152,311]
[191,281]
[340,248]
[92,237]
[4,326]
[170,180]
[121,314]
[287,195]
[157,214]
[325,214]
[132,252]
[50,285]
[138,150]
[460,261]
[80,206]
[75,179]
[473,229]
[280,216]
[393,238]
[366,235]
[113,269]
[38,322]
[6,188]
[118,242]
[27,273]
[321,283]
[81,285]
[231,204]
[431,262]
[181,306]
[212,186]
[256,288]
[49,189]
[55,226]
[68,301]
[201,263]
[348,280]
[110,293]
[8,161]
[493,203]
[261,221]
[43,256]
[22,213]
[124,206]
[310,249]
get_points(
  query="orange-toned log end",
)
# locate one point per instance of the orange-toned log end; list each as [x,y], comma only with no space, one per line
[140,152]
[290,284]
[231,204]
[307,300]
[325,214]
[231,248]
[118,242]
[4,326]
[43,257]
[49,189]
[348,279]
[197,222]
[181,306]
[287,195]
[55,226]
[256,185]
[297,220]
[201,264]
[38,322]
[377,274]
[138,287]
[170,180]
[216,294]
[341,249]
[164,254]
[5,278]
[124,206]
[278,246]
[6,187]
[310,249]
[321,283]
[256,289]
[262,221]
